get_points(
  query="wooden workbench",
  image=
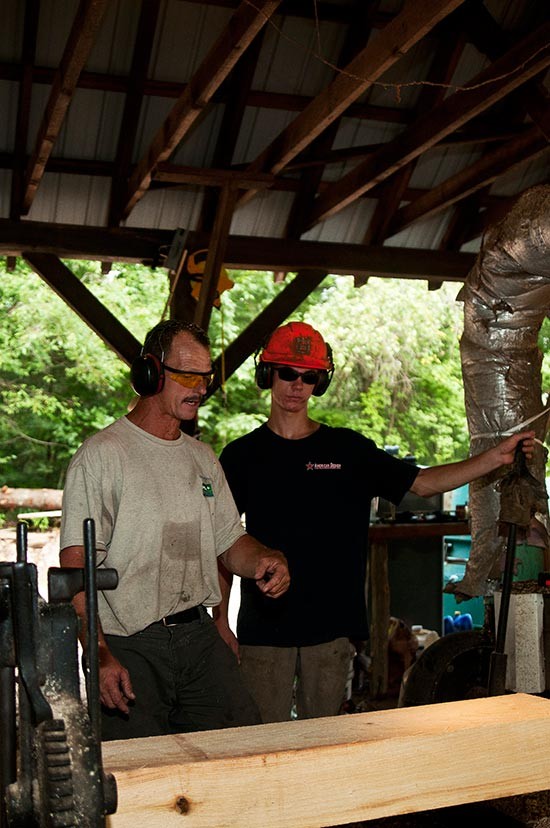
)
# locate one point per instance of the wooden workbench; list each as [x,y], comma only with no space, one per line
[381,536]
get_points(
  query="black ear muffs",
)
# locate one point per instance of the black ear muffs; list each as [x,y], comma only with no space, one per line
[147,375]
[325,376]
[322,383]
[264,375]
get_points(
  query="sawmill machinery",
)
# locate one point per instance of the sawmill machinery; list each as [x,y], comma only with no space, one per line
[50,753]
[473,663]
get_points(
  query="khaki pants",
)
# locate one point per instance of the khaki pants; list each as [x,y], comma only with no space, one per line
[321,673]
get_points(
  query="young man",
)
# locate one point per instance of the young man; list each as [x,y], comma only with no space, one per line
[306,488]
[163,514]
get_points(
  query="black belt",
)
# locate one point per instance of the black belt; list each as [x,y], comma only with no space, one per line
[183,617]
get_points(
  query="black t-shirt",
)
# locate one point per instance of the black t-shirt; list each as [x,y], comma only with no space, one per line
[310,498]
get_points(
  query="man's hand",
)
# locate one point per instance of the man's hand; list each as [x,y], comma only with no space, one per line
[507,449]
[115,687]
[251,559]
[272,575]
[227,635]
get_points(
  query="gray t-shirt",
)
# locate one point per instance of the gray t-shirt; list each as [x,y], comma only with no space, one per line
[163,512]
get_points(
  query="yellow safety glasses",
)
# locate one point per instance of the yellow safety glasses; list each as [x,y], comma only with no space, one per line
[189,379]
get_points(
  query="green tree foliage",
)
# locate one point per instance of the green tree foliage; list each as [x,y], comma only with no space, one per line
[396,350]
[397,378]
[58,381]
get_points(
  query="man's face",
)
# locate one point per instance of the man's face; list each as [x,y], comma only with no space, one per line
[185,354]
[292,393]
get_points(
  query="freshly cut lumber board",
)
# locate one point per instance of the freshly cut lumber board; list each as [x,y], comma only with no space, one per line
[321,772]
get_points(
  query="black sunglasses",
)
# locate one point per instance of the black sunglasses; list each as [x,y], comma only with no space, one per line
[288,374]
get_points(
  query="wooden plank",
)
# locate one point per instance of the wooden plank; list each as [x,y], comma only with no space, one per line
[379,611]
[323,772]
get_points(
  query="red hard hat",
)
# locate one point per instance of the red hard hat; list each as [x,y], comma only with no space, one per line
[297,343]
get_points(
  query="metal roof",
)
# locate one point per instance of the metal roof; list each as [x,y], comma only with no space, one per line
[321,131]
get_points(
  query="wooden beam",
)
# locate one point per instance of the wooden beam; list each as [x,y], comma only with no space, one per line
[171,89]
[522,62]
[442,68]
[241,30]
[84,303]
[79,45]
[344,769]
[30,30]
[210,177]
[356,39]
[215,256]
[69,241]
[237,88]
[143,47]
[264,324]
[400,35]
[487,36]
[478,175]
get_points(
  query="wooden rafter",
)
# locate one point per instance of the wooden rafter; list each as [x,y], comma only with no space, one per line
[215,256]
[441,71]
[259,98]
[357,37]
[30,30]
[243,27]
[475,177]
[520,64]
[400,35]
[143,47]
[79,44]
[237,87]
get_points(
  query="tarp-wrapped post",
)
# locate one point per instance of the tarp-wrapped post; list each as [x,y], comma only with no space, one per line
[506,296]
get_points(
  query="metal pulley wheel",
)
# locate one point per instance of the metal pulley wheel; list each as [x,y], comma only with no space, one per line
[453,668]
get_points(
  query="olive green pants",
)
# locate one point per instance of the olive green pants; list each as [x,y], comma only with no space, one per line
[185,679]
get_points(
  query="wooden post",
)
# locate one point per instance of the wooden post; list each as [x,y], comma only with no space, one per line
[379,611]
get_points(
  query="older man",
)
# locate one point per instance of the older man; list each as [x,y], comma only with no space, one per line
[163,514]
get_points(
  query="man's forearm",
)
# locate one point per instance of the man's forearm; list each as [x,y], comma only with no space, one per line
[221,612]
[244,556]
[450,476]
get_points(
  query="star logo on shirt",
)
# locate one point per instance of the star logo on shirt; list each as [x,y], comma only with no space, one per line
[309,466]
